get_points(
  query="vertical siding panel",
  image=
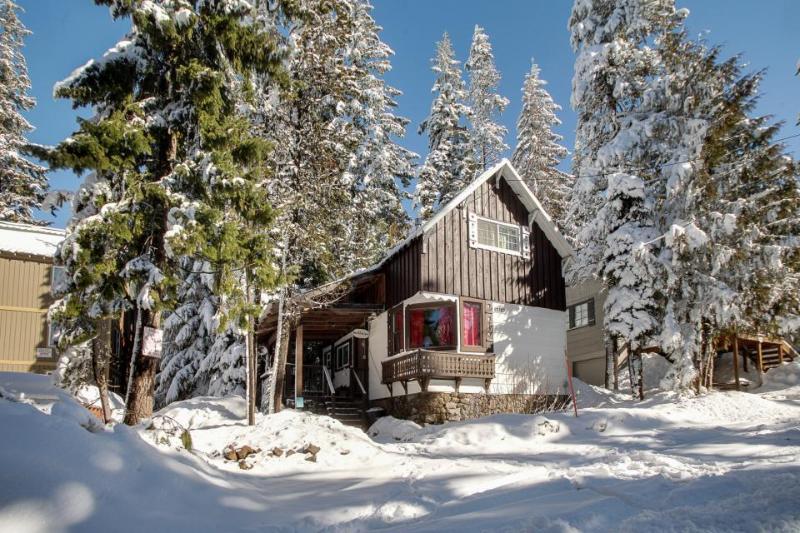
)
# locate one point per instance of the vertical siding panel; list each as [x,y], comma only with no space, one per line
[455,253]
[472,259]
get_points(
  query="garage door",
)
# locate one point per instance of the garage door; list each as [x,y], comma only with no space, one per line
[592,371]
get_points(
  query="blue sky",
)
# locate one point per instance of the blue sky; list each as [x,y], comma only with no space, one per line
[67,33]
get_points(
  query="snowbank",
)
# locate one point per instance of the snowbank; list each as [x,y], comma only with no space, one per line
[389,428]
[783,376]
[719,462]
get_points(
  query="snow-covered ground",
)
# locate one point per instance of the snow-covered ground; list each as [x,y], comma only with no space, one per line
[726,461]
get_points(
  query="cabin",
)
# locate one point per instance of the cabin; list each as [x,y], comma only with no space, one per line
[745,358]
[464,318]
[26,275]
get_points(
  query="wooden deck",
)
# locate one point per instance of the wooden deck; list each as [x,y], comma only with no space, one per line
[423,365]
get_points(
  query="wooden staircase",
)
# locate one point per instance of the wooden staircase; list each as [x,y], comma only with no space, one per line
[346,409]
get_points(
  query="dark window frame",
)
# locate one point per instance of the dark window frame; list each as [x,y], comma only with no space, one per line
[590,314]
[396,339]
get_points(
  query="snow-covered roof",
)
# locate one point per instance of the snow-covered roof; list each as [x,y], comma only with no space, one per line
[28,239]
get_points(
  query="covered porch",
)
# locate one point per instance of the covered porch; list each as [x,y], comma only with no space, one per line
[325,336]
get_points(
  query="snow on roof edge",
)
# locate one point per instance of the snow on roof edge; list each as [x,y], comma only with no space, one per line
[20,238]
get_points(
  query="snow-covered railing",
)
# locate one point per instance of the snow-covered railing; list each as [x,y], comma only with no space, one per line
[424,365]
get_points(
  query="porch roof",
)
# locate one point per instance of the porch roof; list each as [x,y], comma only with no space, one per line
[325,323]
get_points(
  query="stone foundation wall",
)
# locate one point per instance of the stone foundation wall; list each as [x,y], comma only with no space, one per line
[440,407]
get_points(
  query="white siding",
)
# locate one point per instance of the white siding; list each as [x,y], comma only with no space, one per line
[529,343]
[378,349]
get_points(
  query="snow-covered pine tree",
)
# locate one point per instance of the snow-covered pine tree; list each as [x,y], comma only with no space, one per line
[728,211]
[611,206]
[23,184]
[450,163]
[538,151]
[380,167]
[186,171]
[487,135]
[756,201]
[338,170]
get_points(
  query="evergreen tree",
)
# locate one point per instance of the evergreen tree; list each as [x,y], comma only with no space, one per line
[450,164]
[487,136]
[23,184]
[616,85]
[538,151]
[182,174]
[338,171]
[380,167]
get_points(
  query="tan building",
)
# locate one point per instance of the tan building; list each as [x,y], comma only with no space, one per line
[26,274]
[585,332]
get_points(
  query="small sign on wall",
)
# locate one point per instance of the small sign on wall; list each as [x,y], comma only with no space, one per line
[151,342]
[44,353]
[361,334]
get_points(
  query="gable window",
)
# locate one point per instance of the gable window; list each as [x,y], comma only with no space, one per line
[431,326]
[498,236]
[581,314]
[396,333]
[473,331]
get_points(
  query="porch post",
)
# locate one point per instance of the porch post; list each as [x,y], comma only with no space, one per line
[760,358]
[736,360]
[298,367]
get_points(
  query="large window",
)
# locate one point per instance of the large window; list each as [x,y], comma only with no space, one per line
[581,314]
[472,325]
[396,332]
[498,236]
[431,326]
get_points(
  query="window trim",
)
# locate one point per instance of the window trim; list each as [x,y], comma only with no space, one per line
[399,308]
[432,305]
[327,357]
[590,314]
[520,236]
[339,361]
[461,330]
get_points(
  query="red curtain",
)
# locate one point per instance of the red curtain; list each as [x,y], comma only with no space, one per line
[416,325]
[472,324]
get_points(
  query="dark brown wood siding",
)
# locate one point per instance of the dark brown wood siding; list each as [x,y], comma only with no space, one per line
[450,266]
[442,261]
[402,273]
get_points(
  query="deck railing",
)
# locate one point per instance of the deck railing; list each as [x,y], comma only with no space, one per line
[424,365]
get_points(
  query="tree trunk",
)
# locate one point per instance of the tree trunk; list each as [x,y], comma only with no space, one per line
[252,368]
[140,390]
[635,372]
[281,356]
[143,371]
[611,362]
[101,358]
